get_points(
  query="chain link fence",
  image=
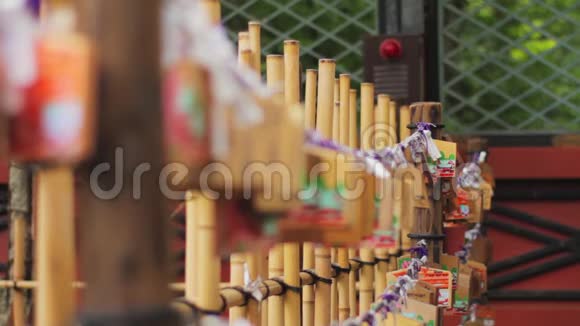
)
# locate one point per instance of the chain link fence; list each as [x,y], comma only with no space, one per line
[510,66]
[506,66]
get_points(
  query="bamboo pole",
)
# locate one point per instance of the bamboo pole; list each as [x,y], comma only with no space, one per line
[344,108]
[381,133]
[392,123]
[55,250]
[254,30]
[276,303]
[381,269]
[275,74]
[292,278]
[243,43]
[310,99]
[367,98]
[342,285]
[191,266]
[253,307]
[333,290]
[352,120]
[405,120]
[336,112]
[20,200]
[308,290]
[325,102]
[245,58]
[291,72]
[352,285]
[366,290]
[213,9]
[322,293]
[237,262]
[208,278]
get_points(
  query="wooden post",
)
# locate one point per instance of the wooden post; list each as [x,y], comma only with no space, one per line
[366,290]
[352,120]
[292,278]
[191,263]
[124,235]
[237,262]
[352,285]
[20,206]
[310,99]
[322,293]
[213,9]
[275,74]
[55,247]
[367,117]
[325,103]
[276,269]
[292,72]
[308,290]
[344,108]
[342,285]
[254,30]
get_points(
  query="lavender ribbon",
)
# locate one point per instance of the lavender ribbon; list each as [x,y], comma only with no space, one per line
[470,236]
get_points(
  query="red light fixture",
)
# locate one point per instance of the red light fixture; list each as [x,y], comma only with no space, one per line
[391,48]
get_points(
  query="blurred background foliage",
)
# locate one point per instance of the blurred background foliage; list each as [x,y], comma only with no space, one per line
[507,66]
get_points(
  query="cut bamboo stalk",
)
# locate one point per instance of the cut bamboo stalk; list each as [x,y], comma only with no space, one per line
[344,108]
[243,42]
[352,285]
[245,58]
[276,303]
[405,120]
[392,123]
[367,98]
[275,74]
[254,30]
[336,112]
[342,285]
[308,290]
[333,290]
[55,253]
[322,293]
[310,99]
[20,205]
[325,103]
[190,245]
[208,279]
[292,72]
[366,291]
[292,279]
[263,274]
[352,120]
[237,262]
[253,307]
[381,133]
[381,269]
[386,210]
[214,10]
